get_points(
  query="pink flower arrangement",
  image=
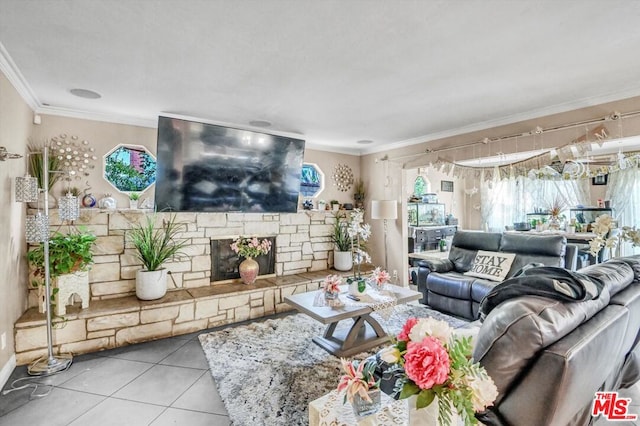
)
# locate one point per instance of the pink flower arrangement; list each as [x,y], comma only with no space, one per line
[331,283]
[250,246]
[427,362]
[379,276]
[435,363]
[359,379]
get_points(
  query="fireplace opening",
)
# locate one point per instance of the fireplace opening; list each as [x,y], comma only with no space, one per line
[225,262]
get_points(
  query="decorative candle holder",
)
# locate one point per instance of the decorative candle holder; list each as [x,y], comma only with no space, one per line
[26,189]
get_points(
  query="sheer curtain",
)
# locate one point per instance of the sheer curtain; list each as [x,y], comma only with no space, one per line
[501,203]
[509,200]
[623,190]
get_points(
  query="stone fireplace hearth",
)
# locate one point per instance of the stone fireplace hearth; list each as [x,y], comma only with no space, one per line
[224,262]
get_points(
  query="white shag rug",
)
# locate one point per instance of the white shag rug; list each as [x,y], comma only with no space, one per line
[268,371]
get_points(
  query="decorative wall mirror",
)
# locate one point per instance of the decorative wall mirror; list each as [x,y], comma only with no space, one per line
[130,168]
[311,180]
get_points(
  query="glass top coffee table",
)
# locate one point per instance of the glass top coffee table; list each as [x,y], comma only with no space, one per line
[365,332]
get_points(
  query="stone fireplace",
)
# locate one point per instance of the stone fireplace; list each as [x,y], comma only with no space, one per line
[224,262]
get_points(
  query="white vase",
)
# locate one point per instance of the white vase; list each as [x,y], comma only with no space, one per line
[357,287]
[133,204]
[427,416]
[342,260]
[151,285]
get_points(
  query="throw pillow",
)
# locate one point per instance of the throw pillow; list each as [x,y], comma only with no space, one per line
[491,265]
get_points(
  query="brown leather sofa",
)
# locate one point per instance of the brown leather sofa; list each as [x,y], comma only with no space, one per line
[446,288]
[549,358]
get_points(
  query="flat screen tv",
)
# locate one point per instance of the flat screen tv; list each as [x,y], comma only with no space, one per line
[207,168]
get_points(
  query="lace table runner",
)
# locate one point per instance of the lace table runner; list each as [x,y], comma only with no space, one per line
[330,411]
[381,301]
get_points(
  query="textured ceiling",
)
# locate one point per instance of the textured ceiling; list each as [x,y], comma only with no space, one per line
[331,72]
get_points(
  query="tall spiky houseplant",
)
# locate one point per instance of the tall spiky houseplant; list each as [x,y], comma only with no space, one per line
[154,246]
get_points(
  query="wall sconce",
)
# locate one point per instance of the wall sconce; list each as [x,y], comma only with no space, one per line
[4,155]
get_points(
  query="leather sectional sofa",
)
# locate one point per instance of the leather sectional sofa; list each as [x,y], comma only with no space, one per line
[548,358]
[446,288]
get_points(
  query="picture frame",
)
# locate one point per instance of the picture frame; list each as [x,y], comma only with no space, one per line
[446,186]
[599,180]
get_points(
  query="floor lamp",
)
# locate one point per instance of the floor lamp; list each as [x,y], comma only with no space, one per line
[37,230]
[385,210]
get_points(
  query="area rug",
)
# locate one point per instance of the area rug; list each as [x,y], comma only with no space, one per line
[268,371]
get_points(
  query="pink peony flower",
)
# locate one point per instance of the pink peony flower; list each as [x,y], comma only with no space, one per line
[406,329]
[427,362]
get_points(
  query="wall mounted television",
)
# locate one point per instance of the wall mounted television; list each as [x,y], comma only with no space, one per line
[207,168]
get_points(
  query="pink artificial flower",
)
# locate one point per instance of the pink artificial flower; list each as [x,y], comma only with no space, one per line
[427,362]
[380,276]
[354,382]
[406,329]
[331,283]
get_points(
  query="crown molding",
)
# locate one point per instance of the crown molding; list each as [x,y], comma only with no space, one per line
[510,119]
[17,80]
[151,122]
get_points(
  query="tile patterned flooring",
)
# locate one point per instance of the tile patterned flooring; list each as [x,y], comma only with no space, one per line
[165,382]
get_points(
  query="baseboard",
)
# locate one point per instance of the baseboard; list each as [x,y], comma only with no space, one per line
[7,369]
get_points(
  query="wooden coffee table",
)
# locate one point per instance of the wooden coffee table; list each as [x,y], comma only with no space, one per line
[365,332]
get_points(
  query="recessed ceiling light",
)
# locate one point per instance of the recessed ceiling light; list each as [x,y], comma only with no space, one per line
[364,142]
[84,93]
[260,123]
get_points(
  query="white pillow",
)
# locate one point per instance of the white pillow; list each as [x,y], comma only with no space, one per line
[491,265]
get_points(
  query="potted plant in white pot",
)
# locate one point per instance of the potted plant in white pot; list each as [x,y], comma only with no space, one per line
[342,254]
[134,197]
[154,246]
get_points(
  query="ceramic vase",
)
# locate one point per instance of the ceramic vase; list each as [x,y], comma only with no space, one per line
[342,260]
[427,416]
[151,285]
[248,270]
[133,204]
[362,407]
[357,287]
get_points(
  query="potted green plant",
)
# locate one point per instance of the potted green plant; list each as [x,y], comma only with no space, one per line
[342,255]
[70,258]
[133,200]
[335,205]
[154,246]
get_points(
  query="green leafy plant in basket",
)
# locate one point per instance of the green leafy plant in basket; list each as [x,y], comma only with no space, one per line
[68,254]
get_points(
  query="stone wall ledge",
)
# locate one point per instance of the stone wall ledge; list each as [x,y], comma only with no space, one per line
[111,323]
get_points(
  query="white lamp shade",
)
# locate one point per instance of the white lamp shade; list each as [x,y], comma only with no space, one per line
[384,209]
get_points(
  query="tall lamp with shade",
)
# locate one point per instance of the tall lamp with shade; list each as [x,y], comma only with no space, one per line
[385,210]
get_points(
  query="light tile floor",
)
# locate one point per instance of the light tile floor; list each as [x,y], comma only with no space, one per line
[166,382]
